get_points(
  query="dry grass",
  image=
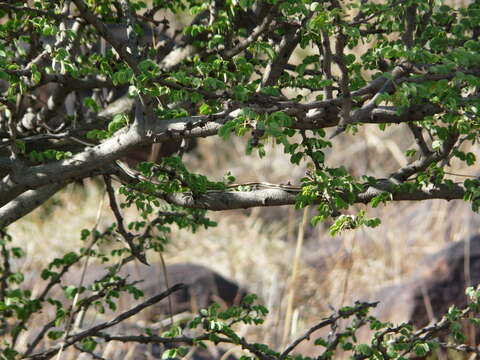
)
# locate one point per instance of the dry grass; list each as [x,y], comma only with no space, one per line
[256,247]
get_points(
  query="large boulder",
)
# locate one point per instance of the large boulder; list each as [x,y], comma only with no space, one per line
[439,283]
[203,286]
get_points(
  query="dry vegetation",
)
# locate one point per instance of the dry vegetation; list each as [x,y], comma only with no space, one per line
[257,247]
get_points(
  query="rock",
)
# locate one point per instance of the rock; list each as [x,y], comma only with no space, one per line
[439,283]
[203,286]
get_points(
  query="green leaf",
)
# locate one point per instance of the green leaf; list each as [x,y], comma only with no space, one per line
[245,4]
[421,349]
[36,75]
[70,291]
[97,134]
[364,349]
[85,233]
[205,109]
[147,65]
[89,344]
[169,354]
[21,146]
[54,334]
[91,104]
[18,252]
[321,342]
[118,122]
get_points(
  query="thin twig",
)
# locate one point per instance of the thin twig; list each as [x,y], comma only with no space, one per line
[167,283]
[68,326]
[91,353]
[326,322]
[127,236]
[93,331]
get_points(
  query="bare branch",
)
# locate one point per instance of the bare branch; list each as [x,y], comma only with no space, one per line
[276,196]
[344,81]
[422,164]
[6,268]
[259,30]
[127,236]
[129,19]
[419,139]
[285,49]
[27,202]
[142,339]
[75,338]
[326,322]
[327,59]
[410,15]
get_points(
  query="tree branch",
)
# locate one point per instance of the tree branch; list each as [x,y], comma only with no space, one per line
[422,164]
[75,338]
[27,202]
[359,307]
[270,196]
[242,45]
[285,49]
[419,139]
[78,166]
[127,236]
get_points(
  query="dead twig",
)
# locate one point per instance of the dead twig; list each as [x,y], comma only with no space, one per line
[93,331]
[126,235]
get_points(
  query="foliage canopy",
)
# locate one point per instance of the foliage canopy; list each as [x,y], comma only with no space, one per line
[85,83]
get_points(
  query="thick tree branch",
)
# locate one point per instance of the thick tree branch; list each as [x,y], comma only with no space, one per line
[419,139]
[179,128]
[259,30]
[410,24]
[88,162]
[326,52]
[344,81]
[106,34]
[26,202]
[277,196]
[78,166]
[285,49]
[390,114]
